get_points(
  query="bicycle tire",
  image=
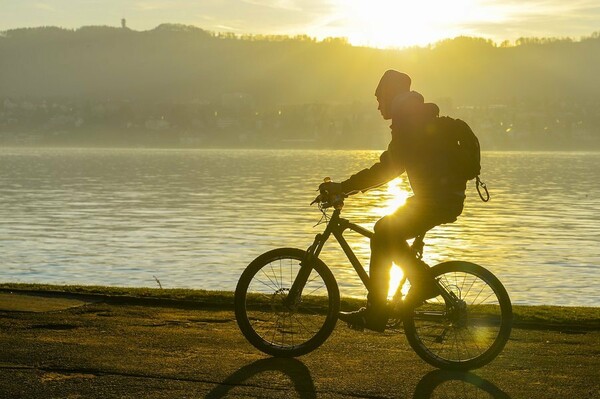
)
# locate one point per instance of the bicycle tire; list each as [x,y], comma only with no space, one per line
[268,324]
[461,339]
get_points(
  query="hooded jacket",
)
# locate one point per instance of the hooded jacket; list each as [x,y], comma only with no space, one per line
[417,148]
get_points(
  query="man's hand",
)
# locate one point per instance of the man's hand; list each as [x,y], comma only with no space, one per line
[330,188]
[329,191]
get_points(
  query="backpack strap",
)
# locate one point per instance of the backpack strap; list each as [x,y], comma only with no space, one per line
[479,185]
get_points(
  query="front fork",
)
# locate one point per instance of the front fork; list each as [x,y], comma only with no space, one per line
[306,267]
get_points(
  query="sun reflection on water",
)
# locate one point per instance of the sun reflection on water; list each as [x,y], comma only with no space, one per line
[396,276]
[395,196]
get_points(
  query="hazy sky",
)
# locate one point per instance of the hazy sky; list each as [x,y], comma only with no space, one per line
[381,23]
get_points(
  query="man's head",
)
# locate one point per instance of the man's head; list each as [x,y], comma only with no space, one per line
[392,84]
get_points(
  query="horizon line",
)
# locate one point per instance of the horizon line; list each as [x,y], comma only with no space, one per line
[246,36]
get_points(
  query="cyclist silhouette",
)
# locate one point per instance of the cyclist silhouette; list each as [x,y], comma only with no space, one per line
[438,196]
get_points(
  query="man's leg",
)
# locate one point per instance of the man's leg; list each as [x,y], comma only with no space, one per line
[389,243]
[379,276]
[386,246]
[417,218]
[383,244]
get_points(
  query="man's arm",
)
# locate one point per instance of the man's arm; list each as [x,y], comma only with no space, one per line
[388,167]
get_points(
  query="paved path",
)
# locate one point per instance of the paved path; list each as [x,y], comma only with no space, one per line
[81,347]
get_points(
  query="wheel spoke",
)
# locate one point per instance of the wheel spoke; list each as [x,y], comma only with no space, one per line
[270,286]
[274,284]
[477,296]
[469,290]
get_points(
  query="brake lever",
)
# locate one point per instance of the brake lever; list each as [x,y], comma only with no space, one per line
[317,199]
[322,194]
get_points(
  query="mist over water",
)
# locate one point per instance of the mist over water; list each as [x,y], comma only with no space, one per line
[196,218]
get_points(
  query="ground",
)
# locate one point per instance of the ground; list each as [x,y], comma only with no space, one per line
[95,347]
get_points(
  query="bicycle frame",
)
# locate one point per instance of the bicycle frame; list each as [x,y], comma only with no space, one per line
[336,226]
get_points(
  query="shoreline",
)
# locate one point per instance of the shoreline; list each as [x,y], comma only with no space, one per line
[376,149]
[531,317]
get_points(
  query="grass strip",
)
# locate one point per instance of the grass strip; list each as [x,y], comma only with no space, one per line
[554,317]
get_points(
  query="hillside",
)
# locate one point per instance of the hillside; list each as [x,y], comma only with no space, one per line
[183,65]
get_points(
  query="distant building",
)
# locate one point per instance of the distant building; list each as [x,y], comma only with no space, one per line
[123,23]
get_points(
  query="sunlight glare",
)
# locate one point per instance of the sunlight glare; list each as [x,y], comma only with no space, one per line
[396,197]
[392,23]
[396,276]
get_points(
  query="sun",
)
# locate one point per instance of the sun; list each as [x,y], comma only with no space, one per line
[398,23]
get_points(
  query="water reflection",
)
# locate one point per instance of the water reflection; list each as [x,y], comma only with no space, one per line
[396,276]
[392,197]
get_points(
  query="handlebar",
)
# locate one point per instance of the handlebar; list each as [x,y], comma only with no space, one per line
[327,200]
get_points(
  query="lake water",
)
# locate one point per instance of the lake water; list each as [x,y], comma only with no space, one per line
[196,218]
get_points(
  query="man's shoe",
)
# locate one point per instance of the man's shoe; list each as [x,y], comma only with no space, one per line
[363,318]
[356,319]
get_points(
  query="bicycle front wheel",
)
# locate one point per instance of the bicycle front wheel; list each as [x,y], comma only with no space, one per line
[469,330]
[278,326]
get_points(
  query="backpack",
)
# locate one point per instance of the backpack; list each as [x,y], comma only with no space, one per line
[464,151]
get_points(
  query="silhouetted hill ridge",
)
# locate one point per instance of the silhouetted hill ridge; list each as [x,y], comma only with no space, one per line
[182,63]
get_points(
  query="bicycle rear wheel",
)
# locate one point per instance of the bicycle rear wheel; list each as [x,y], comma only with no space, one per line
[467,332]
[278,326]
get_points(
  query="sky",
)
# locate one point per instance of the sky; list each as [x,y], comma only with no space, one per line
[377,23]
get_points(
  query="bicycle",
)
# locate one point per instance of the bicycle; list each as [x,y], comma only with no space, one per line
[287,302]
